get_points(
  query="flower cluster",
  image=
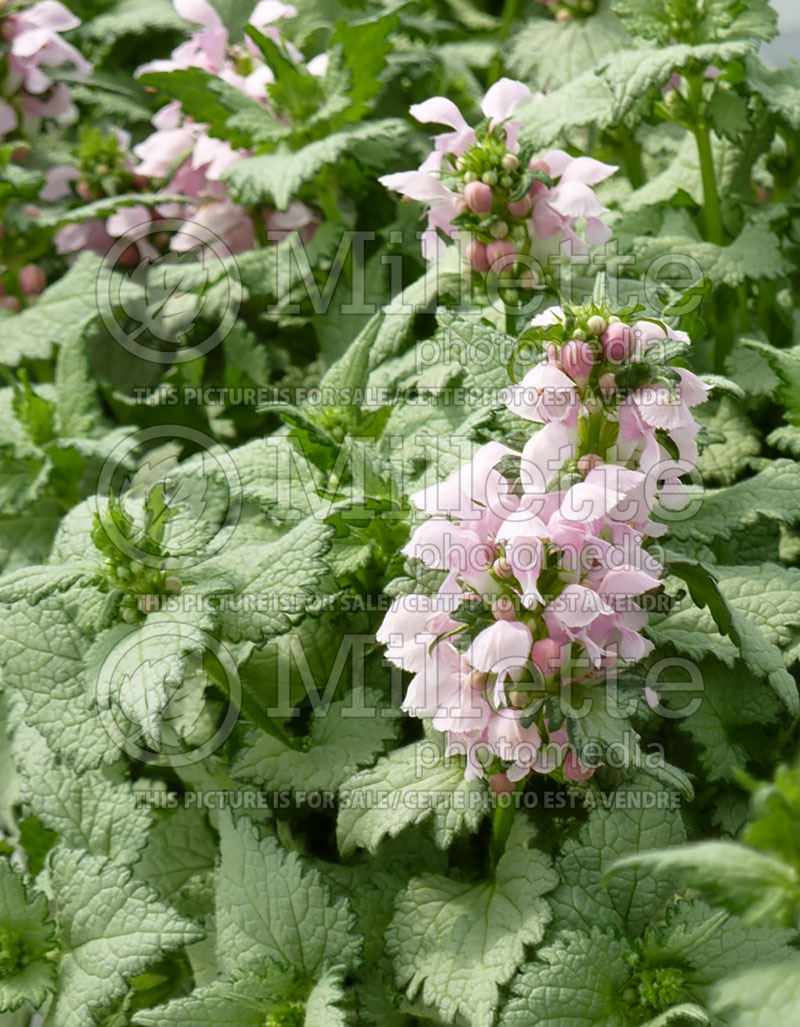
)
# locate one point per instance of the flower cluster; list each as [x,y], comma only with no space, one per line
[480,184]
[181,155]
[32,44]
[543,550]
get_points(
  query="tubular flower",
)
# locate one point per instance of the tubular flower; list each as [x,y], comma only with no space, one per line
[480,183]
[34,44]
[182,155]
[543,551]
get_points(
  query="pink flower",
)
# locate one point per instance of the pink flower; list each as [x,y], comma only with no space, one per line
[545,394]
[36,44]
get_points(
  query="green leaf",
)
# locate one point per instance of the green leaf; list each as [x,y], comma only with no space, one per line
[764,604]
[179,847]
[458,943]
[725,460]
[779,88]
[761,997]
[786,365]
[240,1000]
[728,115]
[719,726]
[582,901]
[776,810]
[761,888]
[661,21]
[77,409]
[43,653]
[90,811]
[552,53]
[132,17]
[365,46]
[66,307]
[754,255]
[336,746]
[575,982]
[270,908]
[250,999]
[773,493]
[284,573]
[229,113]
[396,793]
[111,928]
[615,89]
[26,936]
[277,177]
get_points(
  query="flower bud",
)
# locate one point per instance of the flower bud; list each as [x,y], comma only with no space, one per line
[476,679]
[470,176]
[477,256]
[607,383]
[520,208]
[519,700]
[501,252]
[500,784]
[499,230]
[148,603]
[577,359]
[563,15]
[9,303]
[502,568]
[588,462]
[529,279]
[129,615]
[172,584]
[32,280]
[596,325]
[84,191]
[489,177]
[617,342]
[547,655]
[478,197]
[506,181]
[461,205]
[503,609]
[510,162]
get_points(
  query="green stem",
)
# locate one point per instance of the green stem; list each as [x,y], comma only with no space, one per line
[247,703]
[502,822]
[259,225]
[702,135]
[632,160]
[506,21]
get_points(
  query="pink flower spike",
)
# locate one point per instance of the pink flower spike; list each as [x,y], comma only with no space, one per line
[479,197]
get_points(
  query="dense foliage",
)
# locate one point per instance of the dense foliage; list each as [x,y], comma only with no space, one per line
[400,572]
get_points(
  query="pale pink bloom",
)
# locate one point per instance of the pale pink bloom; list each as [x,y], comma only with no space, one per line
[424,184]
[36,43]
[545,394]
